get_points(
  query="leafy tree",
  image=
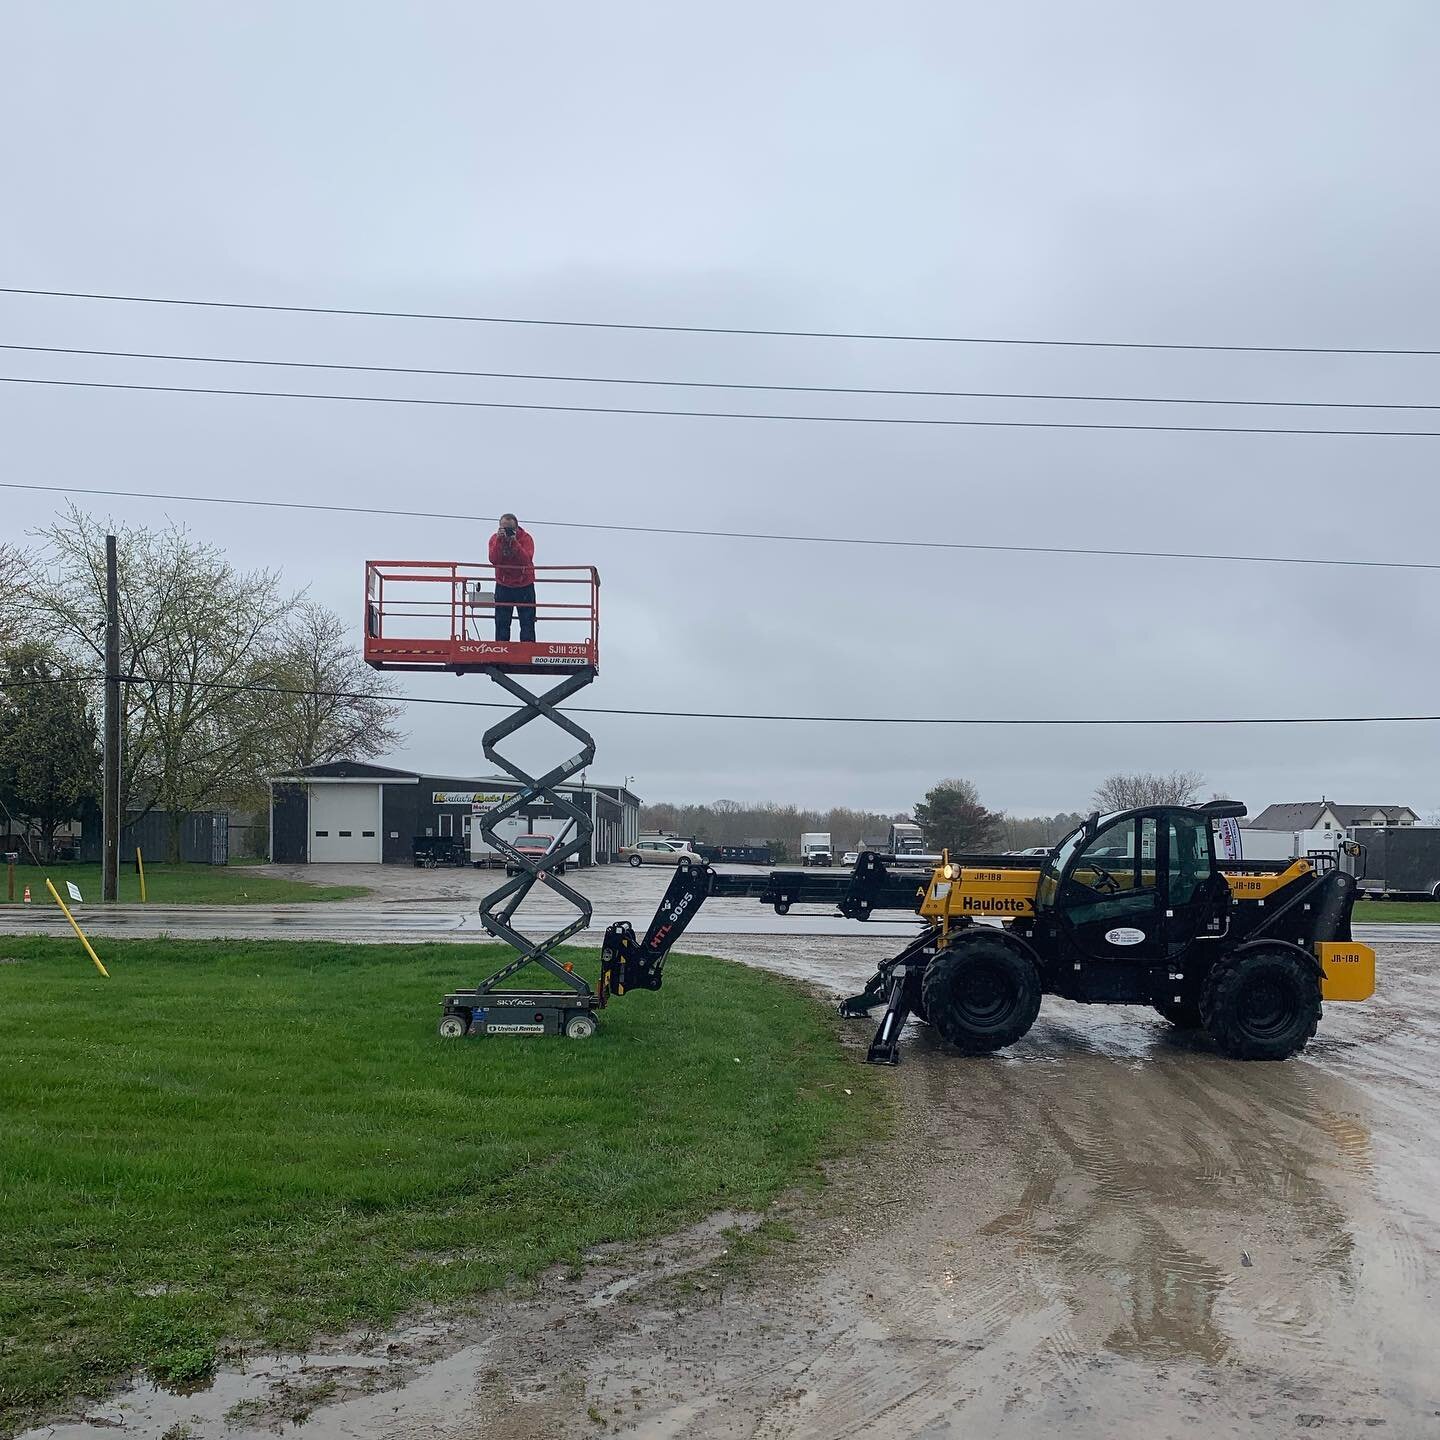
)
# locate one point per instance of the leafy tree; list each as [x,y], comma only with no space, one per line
[331,721]
[951,817]
[49,749]
[195,633]
[1128,792]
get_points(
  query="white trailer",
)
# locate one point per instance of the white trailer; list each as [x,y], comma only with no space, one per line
[1287,844]
[482,852]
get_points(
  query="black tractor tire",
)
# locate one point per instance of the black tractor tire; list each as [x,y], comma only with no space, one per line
[981,993]
[1184,1016]
[1262,1002]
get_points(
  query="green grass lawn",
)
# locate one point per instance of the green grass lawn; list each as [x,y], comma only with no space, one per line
[252,1142]
[1385,912]
[176,885]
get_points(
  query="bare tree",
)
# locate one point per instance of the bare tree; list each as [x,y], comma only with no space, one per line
[1128,792]
[195,634]
[332,715]
[1020,832]
[14,607]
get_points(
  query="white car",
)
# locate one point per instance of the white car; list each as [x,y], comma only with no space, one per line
[850,857]
[659,852]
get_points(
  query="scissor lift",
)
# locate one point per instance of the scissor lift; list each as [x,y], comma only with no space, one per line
[439,616]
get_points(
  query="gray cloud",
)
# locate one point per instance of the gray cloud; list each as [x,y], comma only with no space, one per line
[1231,175]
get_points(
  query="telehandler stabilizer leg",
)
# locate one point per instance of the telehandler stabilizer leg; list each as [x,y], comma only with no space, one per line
[897,983]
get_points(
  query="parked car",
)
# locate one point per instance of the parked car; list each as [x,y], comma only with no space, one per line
[534,847]
[850,857]
[659,852]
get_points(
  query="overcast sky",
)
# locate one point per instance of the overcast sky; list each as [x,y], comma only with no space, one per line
[1229,174]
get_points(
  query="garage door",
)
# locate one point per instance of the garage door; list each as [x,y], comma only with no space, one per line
[344,823]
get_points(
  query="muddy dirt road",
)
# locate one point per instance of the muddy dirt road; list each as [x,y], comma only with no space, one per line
[1107,1232]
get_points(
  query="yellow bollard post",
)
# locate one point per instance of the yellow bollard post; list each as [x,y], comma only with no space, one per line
[140,870]
[89,949]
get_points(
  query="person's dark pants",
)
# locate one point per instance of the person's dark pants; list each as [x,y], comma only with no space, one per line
[509,598]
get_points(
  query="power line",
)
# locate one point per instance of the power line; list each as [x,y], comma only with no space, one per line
[968,721]
[713,329]
[717,384]
[777,537]
[715,414]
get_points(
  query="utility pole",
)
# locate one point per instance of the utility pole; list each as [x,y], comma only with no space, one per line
[110,869]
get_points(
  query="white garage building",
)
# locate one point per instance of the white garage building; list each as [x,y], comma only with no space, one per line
[357,813]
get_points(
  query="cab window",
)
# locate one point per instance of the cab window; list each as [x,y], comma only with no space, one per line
[1189,862]
[1115,861]
[1116,866]
[1054,867]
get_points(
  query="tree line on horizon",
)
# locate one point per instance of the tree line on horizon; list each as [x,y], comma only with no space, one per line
[951,816]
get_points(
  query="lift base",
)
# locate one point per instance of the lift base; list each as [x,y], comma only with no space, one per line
[519,1012]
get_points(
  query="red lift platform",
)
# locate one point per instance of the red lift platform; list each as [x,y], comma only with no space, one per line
[440,615]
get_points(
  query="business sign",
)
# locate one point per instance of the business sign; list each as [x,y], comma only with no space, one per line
[1228,843]
[465,797]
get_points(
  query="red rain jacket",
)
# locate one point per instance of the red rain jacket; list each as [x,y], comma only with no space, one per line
[514,560]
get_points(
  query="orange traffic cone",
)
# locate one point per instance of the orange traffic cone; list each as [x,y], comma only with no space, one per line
[27,894]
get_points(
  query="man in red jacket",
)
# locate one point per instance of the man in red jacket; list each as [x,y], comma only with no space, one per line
[512,553]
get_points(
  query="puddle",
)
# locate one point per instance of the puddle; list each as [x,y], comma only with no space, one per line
[415,1377]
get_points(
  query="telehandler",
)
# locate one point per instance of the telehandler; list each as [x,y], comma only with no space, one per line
[1131,908]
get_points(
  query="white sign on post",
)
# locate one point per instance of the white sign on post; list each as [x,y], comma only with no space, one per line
[74,890]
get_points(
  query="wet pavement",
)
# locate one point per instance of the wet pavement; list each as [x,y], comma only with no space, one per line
[1107,1231]
[411,904]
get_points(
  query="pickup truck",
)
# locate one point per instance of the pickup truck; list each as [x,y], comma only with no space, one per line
[534,847]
